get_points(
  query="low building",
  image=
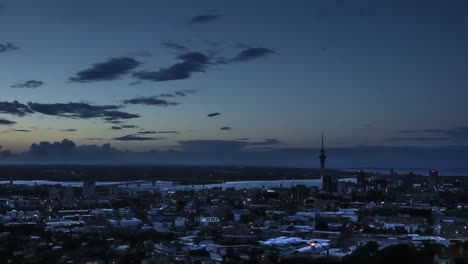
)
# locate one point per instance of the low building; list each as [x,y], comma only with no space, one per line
[208,221]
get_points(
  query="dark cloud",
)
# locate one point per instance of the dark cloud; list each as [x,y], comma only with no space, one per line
[231,152]
[6,122]
[110,70]
[122,127]
[115,121]
[28,84]
[191,62]
[184,92]
[69,130]
[203,19]
[129,126]
[153,100]
[67,151]
[252,53]
[213,114]
[15,108]
[44,149]
[112,116]
[197,62]
[243,139]
[21,130]
[458,134]
[147,132]
[221,60]
[82,110]
[174,46]
[110,113]
[225,128]
[418,139]
[166,95]
[168,132]
[133,137]
[268,141]
[181,93]
[8,46]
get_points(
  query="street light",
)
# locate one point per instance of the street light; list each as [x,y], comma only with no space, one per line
[314,243]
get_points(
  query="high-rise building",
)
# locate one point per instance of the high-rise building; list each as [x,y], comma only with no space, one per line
[361,178]
[89,189]
[433,178]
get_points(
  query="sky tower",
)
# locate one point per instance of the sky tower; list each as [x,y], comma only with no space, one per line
[322,158]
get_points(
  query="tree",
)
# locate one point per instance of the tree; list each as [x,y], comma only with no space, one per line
[231,257]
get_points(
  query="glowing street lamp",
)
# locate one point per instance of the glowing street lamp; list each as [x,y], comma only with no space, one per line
[314,243]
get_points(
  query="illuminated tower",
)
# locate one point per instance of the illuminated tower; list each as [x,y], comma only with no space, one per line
[323,157]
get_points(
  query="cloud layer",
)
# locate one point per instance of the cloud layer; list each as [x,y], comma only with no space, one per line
[28,84]
[153,100]
[191,62]
[111,69]
[8,46]
[136,137]
[82,110]
[458,134]
[203,18]
[14,108]
[235,152]
[6,122]
[174,46]
[252,53]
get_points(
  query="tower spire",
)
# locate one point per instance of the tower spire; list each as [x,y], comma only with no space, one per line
[322,141]
[323,157]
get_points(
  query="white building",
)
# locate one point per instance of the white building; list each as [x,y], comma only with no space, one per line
[209,220]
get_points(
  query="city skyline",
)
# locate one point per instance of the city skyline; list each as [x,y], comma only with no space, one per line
[203,77]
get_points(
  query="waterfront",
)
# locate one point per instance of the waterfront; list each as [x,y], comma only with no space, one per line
[168,185]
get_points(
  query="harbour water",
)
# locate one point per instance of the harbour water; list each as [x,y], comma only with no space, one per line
[167,185]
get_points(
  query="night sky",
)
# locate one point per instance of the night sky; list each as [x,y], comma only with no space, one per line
[235,76]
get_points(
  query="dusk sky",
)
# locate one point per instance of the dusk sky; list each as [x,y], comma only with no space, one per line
[144,75]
